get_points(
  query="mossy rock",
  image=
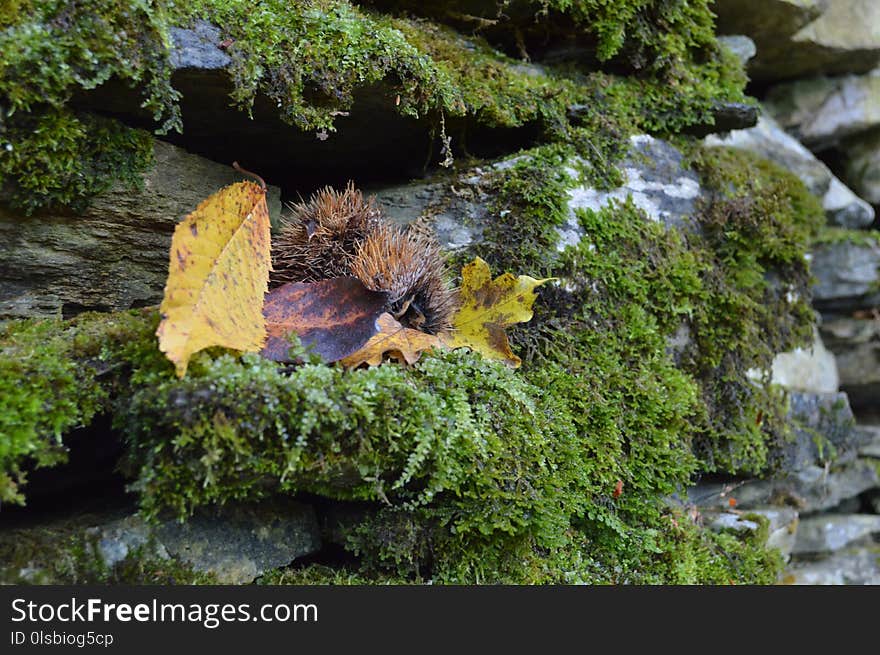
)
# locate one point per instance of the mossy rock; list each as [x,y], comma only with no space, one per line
[555,472]
[112,254]
[327,86]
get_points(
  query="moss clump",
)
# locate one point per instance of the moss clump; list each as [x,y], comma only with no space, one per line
[756,229]
[52,379]
[487,475]
[739,284]
[60,158]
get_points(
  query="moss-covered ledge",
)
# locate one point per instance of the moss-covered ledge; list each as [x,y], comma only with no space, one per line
[494,476]
[554,472]
[309,60]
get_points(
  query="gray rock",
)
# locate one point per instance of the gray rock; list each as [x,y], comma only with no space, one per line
[871,442]
[783,528]
[824,432]
[810,489]
[846,209]
[725,117]
[769,140]
[113,256]
[457,206]
[856,345]
[118,539]
[858,566]
[655,178]
[811,369]
[862,165]
[235,543]
[821,111]
[198,47]
[846,273]
[238,544]
[829,533]
[740,45]
[796,38]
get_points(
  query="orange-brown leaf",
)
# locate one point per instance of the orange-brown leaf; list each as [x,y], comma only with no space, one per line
[218,274]
[334,318]
[392,340]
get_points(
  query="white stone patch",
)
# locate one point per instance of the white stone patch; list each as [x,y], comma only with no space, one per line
[812,370]
[570,234]
[684,187]
[639,139]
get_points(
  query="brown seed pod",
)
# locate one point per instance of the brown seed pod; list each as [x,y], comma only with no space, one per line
[318,238]
[410,267]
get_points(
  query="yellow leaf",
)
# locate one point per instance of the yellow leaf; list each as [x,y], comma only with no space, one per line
[488,307]
[392,339]
[217,276]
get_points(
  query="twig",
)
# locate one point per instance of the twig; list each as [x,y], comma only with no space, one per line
[253,175]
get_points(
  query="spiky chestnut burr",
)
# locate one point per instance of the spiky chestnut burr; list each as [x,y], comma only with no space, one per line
[409,266]
[318,238]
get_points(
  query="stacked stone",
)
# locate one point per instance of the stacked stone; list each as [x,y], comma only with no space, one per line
[815,66]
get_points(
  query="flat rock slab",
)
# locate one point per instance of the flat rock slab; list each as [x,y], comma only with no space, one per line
[857,566]
[236,544]
[822,111]
[856,345]
[829,533]
[797,38]
[811,489]
[847,275]
[114,255]
[240,543]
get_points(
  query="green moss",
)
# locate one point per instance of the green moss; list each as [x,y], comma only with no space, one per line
[756,229]
[59,158]
[672,69]
[486,474]
[52,379]
[321,574]
[311,57]
[724,283]
[830,234]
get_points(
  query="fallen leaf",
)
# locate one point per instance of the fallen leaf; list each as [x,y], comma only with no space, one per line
[393,340]
[333,317]
[218,274]
[488,307]
[618,489]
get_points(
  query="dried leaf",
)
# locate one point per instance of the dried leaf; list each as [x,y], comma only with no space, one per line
[395,341]
[333,317]
[218,275]
[488,307]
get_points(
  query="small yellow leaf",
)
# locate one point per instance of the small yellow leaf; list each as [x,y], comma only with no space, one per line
[488,307]
[394,340]
[217,276]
